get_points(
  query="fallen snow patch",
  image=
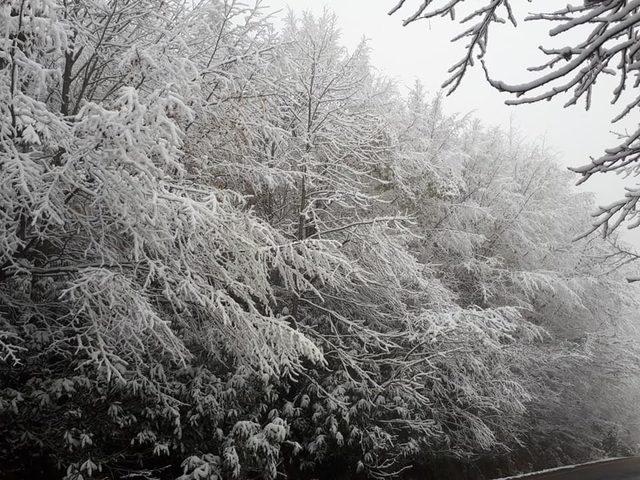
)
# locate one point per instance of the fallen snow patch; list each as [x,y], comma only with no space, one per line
[558,469]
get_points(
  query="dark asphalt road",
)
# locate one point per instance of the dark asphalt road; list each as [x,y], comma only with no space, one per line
[624,469]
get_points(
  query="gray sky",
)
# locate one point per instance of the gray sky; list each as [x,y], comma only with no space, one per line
[422,50]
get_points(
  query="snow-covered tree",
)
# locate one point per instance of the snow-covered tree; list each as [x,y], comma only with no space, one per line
[231,252]
[123,266]
[603,38]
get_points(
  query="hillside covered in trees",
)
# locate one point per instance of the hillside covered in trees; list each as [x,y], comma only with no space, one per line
[234,251]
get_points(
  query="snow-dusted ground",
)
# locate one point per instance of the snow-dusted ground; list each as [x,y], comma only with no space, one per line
[558,469]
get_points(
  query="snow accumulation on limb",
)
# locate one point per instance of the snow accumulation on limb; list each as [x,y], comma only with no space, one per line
[609,33]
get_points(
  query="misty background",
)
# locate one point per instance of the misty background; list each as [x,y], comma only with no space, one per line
[423,51]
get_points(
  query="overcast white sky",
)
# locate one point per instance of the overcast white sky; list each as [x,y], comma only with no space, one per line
[423,51]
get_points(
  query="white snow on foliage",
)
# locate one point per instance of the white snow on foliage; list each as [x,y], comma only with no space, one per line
[242,251]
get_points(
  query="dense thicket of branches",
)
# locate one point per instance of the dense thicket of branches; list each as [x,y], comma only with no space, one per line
[230,252]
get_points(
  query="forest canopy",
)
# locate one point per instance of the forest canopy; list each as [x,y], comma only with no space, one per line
[230,250]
